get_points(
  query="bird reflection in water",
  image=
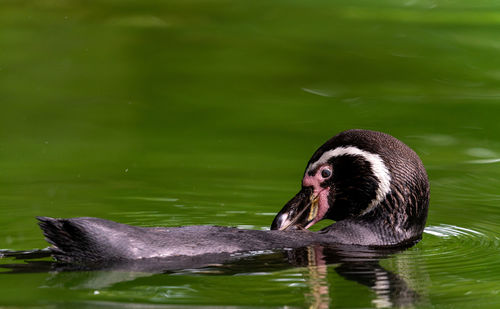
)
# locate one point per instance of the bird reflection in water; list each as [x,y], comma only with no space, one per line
[361,266]
[358,264]
[319,295]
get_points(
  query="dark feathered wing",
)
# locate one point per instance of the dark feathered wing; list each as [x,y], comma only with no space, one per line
[88,239]
[65,237]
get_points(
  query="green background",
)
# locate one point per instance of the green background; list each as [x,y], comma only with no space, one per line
[169,113]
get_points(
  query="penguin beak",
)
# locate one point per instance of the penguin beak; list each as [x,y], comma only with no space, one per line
[298,213]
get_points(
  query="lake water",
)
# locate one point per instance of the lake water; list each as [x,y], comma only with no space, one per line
[170,113]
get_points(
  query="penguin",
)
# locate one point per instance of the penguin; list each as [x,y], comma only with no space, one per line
[371,184]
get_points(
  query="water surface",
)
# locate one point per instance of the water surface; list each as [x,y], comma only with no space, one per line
[206,112]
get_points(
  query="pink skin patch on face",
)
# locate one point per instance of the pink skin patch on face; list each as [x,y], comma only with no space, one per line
[318,192]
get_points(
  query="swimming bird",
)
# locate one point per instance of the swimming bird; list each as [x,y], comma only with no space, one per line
[371,184]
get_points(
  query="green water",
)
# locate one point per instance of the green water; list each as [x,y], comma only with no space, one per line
[169,113]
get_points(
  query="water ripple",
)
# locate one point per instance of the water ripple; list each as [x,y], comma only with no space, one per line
[446,230]
[484,161]
[460,263]
[472,254]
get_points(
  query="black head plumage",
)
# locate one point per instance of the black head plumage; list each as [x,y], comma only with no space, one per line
[375,180]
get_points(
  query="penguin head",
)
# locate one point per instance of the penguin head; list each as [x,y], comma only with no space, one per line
[360,175]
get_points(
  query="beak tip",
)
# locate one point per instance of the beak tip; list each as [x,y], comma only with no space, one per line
[298,213]
[279,222]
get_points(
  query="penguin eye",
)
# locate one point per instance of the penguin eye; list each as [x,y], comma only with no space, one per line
[326,173]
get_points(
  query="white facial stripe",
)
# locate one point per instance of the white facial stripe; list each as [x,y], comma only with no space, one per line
[377,165]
